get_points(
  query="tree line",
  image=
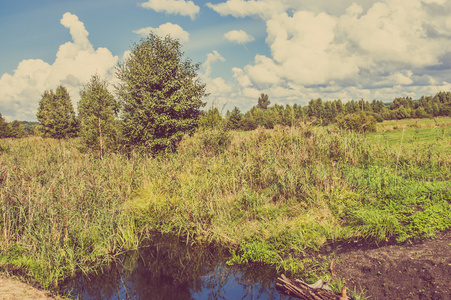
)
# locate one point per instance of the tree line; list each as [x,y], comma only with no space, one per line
[350,115]
[159,100]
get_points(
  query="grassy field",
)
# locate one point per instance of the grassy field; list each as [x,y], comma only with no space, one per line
[270,196]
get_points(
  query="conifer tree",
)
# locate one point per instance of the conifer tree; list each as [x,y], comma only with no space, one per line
[234,119]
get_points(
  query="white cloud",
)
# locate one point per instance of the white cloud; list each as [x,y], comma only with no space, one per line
[174,30]
[181,7]
[75,63]
[243,8]
[211,58]
[349,51]
[238,36]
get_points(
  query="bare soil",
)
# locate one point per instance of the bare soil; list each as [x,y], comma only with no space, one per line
[13,289]
[409,271]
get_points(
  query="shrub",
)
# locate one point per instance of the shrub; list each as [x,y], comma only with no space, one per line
[358,122]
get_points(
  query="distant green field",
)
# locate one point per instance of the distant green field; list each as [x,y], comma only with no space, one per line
[415,135]
[416,122]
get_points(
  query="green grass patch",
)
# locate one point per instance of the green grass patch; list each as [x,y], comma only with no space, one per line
[268,196]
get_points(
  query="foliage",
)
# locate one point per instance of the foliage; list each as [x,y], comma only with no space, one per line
[16,129]
[269,196]
[62,212]
[4,128]
[358,122]
[263,101]
[210,119]
[97,111]
[160,94]
[56,114]
[234,119]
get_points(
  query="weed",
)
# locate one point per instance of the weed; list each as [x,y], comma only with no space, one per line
[270,196]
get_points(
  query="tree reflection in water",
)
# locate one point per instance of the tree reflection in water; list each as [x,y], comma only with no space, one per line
[165,268]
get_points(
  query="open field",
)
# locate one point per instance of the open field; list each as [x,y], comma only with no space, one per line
[272,196]
[421,135]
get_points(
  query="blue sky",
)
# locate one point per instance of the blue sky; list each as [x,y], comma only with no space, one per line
[293,50]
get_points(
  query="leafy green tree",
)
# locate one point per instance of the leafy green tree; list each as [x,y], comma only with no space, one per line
[340,107]
[210,119]
[402,113]
[97,111]
[435,109]
[4,128]
[263,101]
[160,94]
[16,129]
[56,114]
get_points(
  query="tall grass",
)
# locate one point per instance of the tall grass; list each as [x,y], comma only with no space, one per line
[60,209]
[274,194]
[268,196]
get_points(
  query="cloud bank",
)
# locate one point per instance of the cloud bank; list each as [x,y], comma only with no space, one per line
[75,63]
[382,49]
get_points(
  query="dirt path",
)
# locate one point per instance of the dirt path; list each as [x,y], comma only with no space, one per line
[11,289]
[418,271]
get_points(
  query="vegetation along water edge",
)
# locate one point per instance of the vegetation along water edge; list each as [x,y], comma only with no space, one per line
[271,186]
[269,196]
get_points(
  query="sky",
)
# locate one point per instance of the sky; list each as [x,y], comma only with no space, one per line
[292,50]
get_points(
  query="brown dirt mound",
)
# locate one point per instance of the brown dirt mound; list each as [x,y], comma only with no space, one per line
[409,271]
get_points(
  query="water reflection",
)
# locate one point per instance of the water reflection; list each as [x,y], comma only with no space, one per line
[167,269]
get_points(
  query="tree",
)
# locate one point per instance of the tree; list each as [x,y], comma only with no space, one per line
[211,118]
[358,122]
[160,94]
[234,119]
[16,129]
[4,128]
[56,114]
[263,101]
[97,111]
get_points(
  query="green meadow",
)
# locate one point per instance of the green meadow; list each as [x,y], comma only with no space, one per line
[267,196]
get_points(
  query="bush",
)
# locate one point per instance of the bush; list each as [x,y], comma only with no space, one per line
[360,122]
[377,116]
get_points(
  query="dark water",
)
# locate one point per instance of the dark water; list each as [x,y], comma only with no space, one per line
[166,268]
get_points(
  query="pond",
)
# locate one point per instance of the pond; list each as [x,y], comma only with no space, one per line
[166,268]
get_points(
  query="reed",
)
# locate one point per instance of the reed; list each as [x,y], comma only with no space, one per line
[268,196]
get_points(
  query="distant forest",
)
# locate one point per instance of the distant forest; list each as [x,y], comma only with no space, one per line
[326,112]
[317,111]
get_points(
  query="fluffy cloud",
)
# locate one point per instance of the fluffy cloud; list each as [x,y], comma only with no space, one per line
[238,36]
[174,30]
[371,49]
[243,8]
[181,7]
[75,63]
[219,88]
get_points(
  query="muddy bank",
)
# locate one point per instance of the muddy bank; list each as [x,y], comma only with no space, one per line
[409,271]
[419,270]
